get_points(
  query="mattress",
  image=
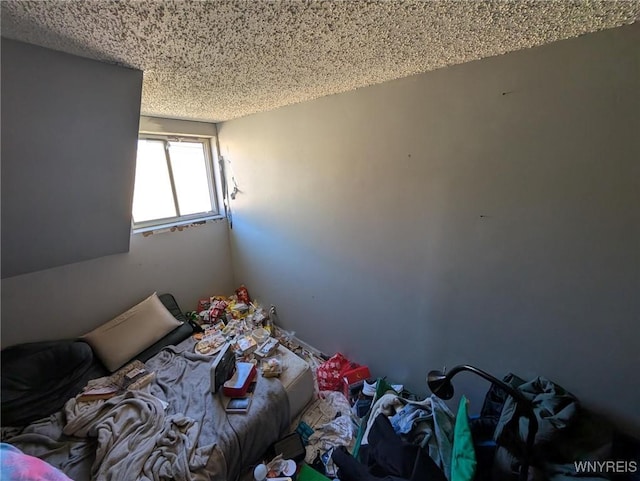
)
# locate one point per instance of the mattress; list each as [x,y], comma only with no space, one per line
[297,380]
[217,445]
[174,426]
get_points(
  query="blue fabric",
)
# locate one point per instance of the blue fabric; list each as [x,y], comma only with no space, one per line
[430,425]
[405,419]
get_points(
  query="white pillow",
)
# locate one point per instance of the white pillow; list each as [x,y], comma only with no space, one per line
[119,340]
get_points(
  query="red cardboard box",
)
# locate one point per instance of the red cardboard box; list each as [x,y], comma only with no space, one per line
[239,383]
[353,380]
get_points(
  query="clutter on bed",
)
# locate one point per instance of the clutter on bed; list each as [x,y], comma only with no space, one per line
[238,383]
[271,366]
[133,376]
[239,405]
[267,347]
[252,335]
[222,368]
[162,408]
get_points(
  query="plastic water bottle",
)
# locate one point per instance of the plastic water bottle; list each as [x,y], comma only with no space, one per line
[271,320]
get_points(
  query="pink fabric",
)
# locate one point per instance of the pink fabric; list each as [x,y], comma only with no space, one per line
[17,466]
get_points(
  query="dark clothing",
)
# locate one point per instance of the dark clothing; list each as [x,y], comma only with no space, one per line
[566,433]
[388,458]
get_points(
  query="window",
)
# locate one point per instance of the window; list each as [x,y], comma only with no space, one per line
[174,182]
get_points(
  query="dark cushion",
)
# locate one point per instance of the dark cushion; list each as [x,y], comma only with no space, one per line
[39,377]
[176,336]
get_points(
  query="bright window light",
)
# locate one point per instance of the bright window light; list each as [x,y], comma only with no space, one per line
[174,182]
[190,177]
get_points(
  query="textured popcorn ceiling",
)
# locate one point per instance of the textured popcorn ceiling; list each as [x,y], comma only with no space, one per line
[217,60]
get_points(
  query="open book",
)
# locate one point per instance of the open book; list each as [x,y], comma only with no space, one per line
[134,375]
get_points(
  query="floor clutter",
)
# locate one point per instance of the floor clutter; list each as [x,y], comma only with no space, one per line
[361,427]
[281,409]
[338,417]
[341,423]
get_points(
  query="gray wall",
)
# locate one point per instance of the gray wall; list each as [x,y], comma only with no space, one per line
[486,213]
[69,131]
[70,300]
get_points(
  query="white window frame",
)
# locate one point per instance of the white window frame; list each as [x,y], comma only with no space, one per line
[213,178]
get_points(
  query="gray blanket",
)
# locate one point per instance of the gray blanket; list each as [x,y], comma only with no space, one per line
[134,436]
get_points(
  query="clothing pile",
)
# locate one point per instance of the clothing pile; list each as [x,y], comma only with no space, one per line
[408,439]
[412,440]
[566,432]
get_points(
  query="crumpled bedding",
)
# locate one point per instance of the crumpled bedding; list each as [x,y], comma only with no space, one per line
[135,437]
[164,444]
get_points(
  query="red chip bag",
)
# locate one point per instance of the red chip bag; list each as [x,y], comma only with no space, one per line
[329,373]
[203,305]
[243,295]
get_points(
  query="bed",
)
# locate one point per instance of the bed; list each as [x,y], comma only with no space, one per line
[173,429]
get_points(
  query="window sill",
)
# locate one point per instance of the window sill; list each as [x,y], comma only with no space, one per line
[173,226]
